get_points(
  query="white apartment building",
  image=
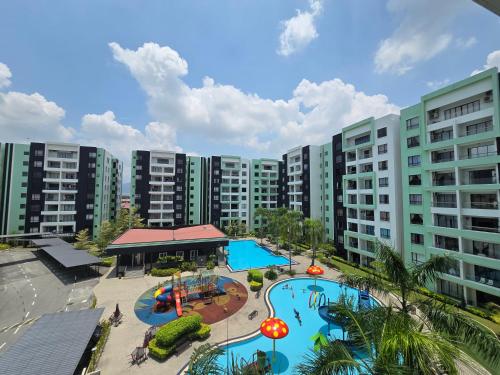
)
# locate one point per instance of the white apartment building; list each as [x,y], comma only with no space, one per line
[372,186]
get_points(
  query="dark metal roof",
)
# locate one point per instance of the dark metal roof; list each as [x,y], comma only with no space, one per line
[64,253]
[53,345]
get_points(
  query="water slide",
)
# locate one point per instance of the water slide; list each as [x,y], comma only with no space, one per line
[178,305]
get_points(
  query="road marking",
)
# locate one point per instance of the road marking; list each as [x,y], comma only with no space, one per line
[26,315]
[17,329]
[1,346]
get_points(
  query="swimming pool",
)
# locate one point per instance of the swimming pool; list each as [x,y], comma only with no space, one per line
[247,254]
[291,349]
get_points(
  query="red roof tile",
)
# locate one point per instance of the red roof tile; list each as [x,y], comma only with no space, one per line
[197,232]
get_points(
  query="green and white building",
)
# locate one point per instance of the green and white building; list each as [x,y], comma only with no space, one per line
[57,188]
[372,186]
[450,156]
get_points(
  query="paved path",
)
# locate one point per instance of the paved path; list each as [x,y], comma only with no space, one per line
[30,287]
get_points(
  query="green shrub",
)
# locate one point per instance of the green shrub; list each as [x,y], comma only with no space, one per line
[271,274]
[189,266]
[210,265]
[96,354]
[163,272]
[202,334]
[291,273]
[478,312]
[159,352]
[106,262]
[171,332]
[4,246]
[255,275]
[492,307]
[255,286]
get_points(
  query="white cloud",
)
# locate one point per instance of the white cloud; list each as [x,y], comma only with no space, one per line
[103,130]
[492,61]
[5,75]
[225,114]
[300,30]
[465,43]
[25,118]
[423,32]
[437,84]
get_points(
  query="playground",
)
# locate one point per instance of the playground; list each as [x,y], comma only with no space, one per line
[212,296]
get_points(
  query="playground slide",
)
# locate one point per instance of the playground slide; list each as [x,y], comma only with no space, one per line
[178,305]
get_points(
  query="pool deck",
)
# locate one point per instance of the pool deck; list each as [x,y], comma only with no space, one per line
[124,338]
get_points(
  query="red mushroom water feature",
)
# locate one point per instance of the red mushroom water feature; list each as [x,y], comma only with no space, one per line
[315,271]
[275,329]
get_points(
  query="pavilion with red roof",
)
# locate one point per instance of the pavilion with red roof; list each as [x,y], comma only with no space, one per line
[143,246]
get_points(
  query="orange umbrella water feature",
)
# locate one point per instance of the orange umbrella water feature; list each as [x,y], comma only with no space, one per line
[274,328]
[315,271]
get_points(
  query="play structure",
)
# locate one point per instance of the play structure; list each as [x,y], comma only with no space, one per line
[202,287]
[317,299]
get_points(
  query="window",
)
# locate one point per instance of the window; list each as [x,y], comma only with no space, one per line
[414,161]
[383,182]
[416,219]
[417,238]
[382,149]
[462,110]
[37,164]
[382,132]
[385,233]
[415,180]
[35,197]
[384,216]
[180,254]
[416,199]
[39,152]
[382,165]
[412,123]
[413,141]
[383,198]
[89,217]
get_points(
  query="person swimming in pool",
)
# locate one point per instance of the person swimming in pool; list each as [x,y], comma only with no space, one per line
[297,316]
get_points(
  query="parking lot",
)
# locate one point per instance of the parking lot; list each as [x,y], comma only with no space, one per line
[32,284]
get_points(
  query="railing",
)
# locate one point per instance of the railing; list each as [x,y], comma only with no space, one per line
[478,155]
[443,159]
[443,182]
[482,229]
[483,279]
[445,246]
[478,130]
[481,205]
[480,180]
[444,204]
[441,137]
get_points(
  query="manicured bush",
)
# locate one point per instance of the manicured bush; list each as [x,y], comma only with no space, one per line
[4,246]
[163,272]
[255,286]
[492,307]
[96,354]
[271,274]
[189,266]
[158,352]
[202,334]
[255,275]
[106,262]
[210,265]
[291,272]
[174,330]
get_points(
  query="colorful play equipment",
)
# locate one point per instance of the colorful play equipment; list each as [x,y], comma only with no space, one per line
[275,329]
[203,287]
[315,271]
[317,300]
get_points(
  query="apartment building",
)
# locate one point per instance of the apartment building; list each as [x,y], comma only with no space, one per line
[338,213]
[372,186]
[197,188]
[57,188]
[450,144]
[303,166]
[264,188]
[229,190]
[158,187]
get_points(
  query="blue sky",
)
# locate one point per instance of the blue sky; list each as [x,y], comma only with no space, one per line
[281,73]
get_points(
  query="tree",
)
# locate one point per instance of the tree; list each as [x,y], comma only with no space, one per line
[391,342]
[127,219]
[204,360]
[232,228]
[448,321]
[274,223]
[262,214]
[106,235]
[314,231]
[290,230]
[82,239]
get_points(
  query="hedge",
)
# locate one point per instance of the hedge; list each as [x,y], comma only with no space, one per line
[255,286]
[106,262]
[163,272]
[159,352]
[96,354]
[189,266]
[4,246]
[271,275]
[255,275]
[173,331]
[202,334]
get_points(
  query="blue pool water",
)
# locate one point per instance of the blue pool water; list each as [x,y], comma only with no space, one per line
[291,349]
[247,254]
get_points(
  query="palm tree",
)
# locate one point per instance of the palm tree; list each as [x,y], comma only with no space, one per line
[448,321]
[232,228]
[380,341]
[274,223]
[204,361]
[263,214]
[290,230]
[314,230]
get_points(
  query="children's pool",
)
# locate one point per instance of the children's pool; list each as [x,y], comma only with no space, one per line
[247,254]
[285,297]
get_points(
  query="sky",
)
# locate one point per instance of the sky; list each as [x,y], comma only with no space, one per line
[232,77]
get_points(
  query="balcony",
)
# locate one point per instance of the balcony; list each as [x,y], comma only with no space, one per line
[443,179]
[478,128]
[441,135]
[361,140]
[483,275]
[482,249]
[367,229]
[367,215]
[481,202]
[481,224]
[353,227]
[446,243]
[352,185]
[444,200]
[366,168]
[442,156]
[478,151]
[445,221]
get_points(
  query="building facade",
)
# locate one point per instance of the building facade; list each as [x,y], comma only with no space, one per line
[372,187]
[197,188]
[158,187]
[450,144]
[57,188]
